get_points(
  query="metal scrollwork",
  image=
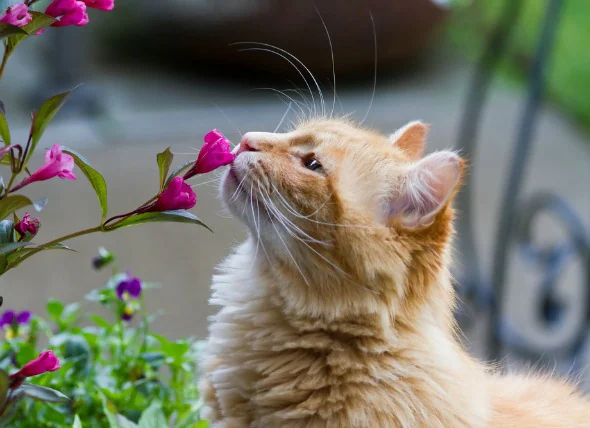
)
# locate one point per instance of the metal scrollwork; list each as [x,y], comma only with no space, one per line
[516,225]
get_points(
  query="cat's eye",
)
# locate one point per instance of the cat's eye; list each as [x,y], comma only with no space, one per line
[312,163]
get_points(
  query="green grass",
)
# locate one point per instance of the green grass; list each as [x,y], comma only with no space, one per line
[568,76]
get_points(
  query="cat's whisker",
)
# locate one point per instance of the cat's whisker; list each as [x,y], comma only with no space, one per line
[291,99]
[375,70]
[230,122]
[293,227]
[288,251]
[256,224]
[286,59]
[321,95]
[238,188]
[289,226]
[278,215]
[215,180]
[303,217]
[289,107]
[300,93]
[259,237]
[333,63]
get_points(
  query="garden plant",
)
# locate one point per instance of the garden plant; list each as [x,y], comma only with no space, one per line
[97,372]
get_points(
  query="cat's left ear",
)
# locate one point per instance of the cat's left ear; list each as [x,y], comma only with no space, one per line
[411,138]
[425,188]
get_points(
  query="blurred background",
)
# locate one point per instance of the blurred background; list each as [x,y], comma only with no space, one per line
[161,74]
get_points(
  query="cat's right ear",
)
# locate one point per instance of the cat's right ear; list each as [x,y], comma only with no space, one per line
[424,189]
[411,138]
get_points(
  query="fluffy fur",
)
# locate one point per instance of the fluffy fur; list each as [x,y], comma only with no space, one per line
[338,309]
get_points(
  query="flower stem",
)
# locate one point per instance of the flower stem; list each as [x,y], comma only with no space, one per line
[56,241]
[9,185]
[4,61]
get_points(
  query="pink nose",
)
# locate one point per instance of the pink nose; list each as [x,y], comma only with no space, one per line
[245,146]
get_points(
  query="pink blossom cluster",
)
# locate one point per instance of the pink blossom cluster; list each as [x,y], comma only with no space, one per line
[67,12]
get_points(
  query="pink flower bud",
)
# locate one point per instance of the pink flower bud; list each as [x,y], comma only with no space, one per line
[105,5]
[45,362]
[72,12]
[177,196]
[17,15]
[57,164]
[214,153]
[27,224]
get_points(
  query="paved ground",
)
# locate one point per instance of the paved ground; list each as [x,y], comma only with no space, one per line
[149,112]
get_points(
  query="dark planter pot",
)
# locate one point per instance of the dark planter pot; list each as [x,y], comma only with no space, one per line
[403,29]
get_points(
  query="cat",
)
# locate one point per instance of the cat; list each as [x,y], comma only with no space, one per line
[338,309]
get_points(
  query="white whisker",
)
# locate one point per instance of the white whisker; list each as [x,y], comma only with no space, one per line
[333,63]
[375,71]
[229,121]
[322,104]
[283,118]
[286,59]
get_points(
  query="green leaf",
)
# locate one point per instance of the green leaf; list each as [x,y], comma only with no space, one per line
[39,21]
[25,352]
[100,321]
[4,381]
[42,117]
[54,308]
[12,246]
[164,161]
[77,422]
[8,30]
[153,417]
[180,168]
[4,131]
[58,246]
[113,423]
[6,231]
[178,216]
[125,423]
[11,203]
[42,393]
[96,180]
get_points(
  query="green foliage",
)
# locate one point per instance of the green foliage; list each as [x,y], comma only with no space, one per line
[164,160]
[12,203]
[568,74]
[116,374]
[97,181]
[43,117]
[179,216]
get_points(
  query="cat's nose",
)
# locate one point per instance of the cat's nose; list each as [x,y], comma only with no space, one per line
[246,145]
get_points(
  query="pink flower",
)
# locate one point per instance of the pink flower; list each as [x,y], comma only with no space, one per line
[105,5]
[27,224]
[17,15]
[72,12]
[45,362]
[56,164]
[214,153]
[177,196]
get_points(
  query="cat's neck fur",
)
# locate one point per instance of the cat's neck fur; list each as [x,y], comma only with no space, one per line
[424,360]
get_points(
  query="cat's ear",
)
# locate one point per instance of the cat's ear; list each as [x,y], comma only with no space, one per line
[411,138]
[425,188]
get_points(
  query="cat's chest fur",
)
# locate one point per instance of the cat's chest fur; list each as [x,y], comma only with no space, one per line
[272,369]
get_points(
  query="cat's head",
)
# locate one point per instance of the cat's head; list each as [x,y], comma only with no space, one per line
[330,199]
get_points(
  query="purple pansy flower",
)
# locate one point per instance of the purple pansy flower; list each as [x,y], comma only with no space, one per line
[10,321]
[128,291]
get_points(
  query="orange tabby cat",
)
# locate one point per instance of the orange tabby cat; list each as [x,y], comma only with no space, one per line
[338,310]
